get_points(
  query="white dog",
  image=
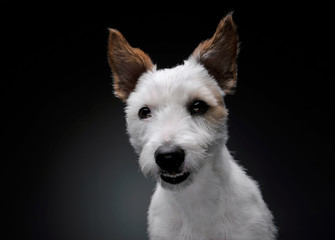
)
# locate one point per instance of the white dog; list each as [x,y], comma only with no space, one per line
[176,120]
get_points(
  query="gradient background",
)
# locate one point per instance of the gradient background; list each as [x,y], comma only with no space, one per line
[69,171]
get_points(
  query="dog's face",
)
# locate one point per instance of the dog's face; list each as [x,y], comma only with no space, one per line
[173,118]
[176,116]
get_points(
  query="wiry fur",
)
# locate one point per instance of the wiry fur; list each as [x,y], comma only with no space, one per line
[218,201]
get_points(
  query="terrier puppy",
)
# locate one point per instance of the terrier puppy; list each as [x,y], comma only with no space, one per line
[176,120]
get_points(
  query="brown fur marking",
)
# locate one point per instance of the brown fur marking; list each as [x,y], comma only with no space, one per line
[216,114]
[217,111]
[127,64]
[219,53]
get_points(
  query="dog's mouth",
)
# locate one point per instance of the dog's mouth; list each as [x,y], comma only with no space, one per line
[174,178]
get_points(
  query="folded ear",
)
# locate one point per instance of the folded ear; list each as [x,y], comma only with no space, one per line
[127,64]
[219,53]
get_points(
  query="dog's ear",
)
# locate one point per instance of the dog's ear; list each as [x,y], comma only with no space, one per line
[219,53]
[127,64]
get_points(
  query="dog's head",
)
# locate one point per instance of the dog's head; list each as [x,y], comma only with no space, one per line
[176,117]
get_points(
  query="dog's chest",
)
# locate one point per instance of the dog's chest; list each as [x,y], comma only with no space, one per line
[183,219]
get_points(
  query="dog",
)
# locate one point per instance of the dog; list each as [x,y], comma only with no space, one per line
[176,121]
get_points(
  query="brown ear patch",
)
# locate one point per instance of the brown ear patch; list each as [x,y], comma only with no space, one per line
[219,53]
[127,64]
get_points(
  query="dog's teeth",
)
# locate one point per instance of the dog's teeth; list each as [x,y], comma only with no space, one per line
[173,175]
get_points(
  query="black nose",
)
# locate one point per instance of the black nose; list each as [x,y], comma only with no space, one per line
[170,158]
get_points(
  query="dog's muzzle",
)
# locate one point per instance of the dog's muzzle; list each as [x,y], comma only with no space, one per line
[170,160]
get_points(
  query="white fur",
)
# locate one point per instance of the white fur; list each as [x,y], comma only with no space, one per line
[218,201]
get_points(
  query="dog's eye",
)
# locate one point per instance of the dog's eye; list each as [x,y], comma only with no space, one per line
[198,107]
[144,112]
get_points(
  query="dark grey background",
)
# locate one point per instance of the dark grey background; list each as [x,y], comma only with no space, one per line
[69,171]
